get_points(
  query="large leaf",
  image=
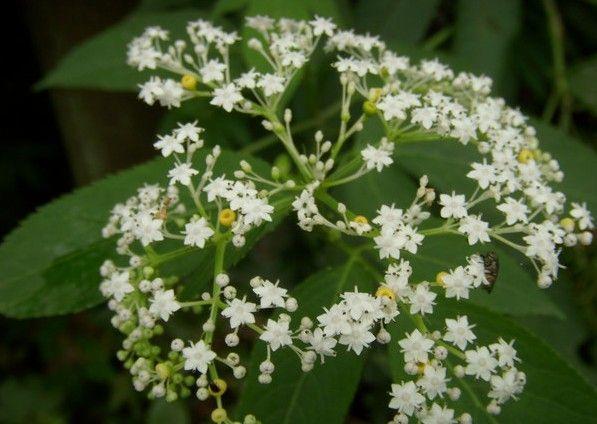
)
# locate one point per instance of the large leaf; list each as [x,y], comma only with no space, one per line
[324,394]
[100,63]
[555,392]
[484,33]
[50,263]
[582,83]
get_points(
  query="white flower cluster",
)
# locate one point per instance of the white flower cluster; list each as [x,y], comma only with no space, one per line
[425,359]
[155,213]
[414,102]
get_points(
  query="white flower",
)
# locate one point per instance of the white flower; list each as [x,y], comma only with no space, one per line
[247,79]
[506,386]
[171,94]
[198,356]
[226,97]
[388,244]
[405,397]
[256,211]
[582,214]
[515,210]
[426,116]
[358,304]
[240,312]
[182,173]
[408,238]
[378,157]
[322,26]
[505,352]
[389,217]
[212,71]
[459,332]
[480,363]
[475,229]
[415,347]
[147,229]
[322,344]
[197,233]
[457,283]
[169,144]
[189,131]
[422,300]
[453,205]
[164,304]
[357,338]
[483,173]
[270,295]
[217,188]
[438,415]
[433,381]
[118,285]
[276,334]
[271,84]
[334,320]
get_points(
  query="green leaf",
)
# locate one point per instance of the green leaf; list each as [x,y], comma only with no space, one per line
[396,22]
[161,411]
[324,394]
[50,262]
[100,63]
[555,392]
[582,83]
[484,34]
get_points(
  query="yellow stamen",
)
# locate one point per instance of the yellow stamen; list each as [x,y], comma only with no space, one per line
[189,82]
[385,291]
[227,217]
[525,155]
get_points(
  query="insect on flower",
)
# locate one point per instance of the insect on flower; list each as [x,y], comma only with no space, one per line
[491,262]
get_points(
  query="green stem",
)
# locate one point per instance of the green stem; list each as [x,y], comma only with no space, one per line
[218,268]
[556,33]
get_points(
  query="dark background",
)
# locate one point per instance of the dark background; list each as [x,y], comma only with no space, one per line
[63,369]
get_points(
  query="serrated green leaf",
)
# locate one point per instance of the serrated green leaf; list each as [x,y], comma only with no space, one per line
[324,394]
[555,392]
[100,62]
[49,263]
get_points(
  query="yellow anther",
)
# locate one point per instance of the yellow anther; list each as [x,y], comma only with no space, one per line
[219,415]
[163,370]
[421,368]
[567,224]
[189,82]
[439,278]
[360,219]
[525,155]
[227,217]
[385,291]
[217,387]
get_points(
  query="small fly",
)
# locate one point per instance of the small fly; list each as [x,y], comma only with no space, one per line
[491,264]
